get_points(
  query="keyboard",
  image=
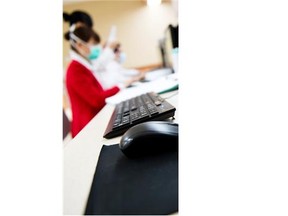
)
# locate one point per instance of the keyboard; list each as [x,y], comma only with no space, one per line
[142,108]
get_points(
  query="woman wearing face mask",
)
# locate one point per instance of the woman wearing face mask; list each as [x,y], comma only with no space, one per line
[87,96]
[81,18]
[107,67]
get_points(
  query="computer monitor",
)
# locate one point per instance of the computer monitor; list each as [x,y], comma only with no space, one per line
[174,35]
[168,44]
[169,47]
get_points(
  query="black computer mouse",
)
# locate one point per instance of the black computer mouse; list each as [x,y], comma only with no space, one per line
[149,138]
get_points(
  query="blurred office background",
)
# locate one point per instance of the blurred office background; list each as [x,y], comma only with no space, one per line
[139,26]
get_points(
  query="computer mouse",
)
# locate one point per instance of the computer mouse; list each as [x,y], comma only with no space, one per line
[149,138]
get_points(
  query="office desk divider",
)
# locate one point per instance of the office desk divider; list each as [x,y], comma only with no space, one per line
[144,186]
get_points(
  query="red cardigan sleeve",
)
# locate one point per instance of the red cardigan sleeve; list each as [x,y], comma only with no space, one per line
[85,85]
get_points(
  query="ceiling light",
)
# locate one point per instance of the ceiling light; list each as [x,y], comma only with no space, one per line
[153,2]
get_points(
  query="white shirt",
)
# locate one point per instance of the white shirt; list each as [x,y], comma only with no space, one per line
[76,57]
[109,72]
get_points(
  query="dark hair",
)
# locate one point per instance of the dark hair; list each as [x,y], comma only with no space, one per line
[84,33]
[78,16]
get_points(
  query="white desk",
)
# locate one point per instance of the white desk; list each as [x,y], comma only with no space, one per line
[81,156]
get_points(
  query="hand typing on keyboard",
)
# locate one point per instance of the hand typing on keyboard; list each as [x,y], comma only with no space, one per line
[134,79]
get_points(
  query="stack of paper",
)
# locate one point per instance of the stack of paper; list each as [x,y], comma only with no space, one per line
[160,85]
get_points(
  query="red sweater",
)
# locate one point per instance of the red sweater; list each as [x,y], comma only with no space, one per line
[86,95]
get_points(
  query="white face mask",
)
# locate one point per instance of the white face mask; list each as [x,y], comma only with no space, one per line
[122,57]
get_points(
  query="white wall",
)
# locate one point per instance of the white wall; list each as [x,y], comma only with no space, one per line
[139,27]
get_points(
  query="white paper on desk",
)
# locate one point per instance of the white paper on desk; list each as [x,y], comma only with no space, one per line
[157,86]
[156,74]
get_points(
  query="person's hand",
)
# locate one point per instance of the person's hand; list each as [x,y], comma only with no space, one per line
[139,77]
[134,79]
[128,82]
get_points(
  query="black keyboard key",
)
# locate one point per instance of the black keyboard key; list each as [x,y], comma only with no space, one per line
[133,105]
[157,103]
[116,124]
[118,109]
[125,119]
[135,116]
[153,112]
[143,111]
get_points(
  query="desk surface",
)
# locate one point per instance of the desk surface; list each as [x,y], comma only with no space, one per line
[81,156]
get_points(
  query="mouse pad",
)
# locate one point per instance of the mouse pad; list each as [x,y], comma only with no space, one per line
[144,186]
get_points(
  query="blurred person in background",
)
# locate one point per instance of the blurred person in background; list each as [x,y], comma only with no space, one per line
[108,67]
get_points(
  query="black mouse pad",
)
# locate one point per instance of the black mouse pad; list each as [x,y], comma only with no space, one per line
[141,186]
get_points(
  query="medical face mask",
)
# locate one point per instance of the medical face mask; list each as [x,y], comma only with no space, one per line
[122,58]
[95,52]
